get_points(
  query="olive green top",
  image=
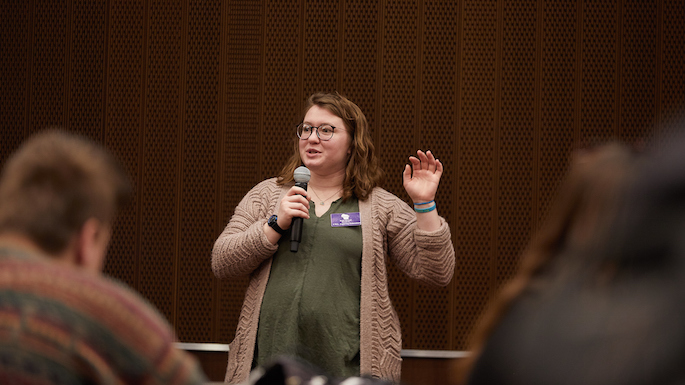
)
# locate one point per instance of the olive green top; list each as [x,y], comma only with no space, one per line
[311,305]
[389,234]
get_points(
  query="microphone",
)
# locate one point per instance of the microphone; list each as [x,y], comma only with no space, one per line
[301,176]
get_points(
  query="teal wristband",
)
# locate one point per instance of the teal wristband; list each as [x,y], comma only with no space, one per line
[426,210]
[423,203]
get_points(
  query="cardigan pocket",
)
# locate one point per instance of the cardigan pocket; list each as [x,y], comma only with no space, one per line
[391,367]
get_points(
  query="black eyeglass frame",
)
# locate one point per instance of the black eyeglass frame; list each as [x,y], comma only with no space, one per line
[297,131]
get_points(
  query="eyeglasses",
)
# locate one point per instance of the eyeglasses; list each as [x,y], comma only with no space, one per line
[324,131]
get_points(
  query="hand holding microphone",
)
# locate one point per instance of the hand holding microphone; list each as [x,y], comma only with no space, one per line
[301,176]
[295,204]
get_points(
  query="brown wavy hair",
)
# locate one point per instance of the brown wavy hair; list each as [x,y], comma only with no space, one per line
[363,172]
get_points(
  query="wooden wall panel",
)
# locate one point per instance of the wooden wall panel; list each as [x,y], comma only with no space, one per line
[321,50]
[195,286]
[282,98]
[559,99]
[518,135]
[398,119]
[199,98]
[162,151]
[437,62]
[87,68]
[672,66]
[49,86]
[600,55]
[362,23]
[123,124]
[15,42]
[476,158]
[638,87]
[243,134]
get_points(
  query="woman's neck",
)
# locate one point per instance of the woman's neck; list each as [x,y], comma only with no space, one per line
[327,182]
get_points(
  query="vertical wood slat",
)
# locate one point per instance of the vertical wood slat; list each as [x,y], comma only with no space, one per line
[397,127]
[86,71]
[672,64]
[15,79]
[199,154]
[124,128]
[476,151]
[638,99]
[432,317]
[516,143]
[161,163]
[243,134]
[48,88]
[181,146]
[219,201]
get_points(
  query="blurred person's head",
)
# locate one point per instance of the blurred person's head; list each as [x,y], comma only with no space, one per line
[617,317]
[651,230]
[360,164]
[586,203]
[59,193]
[577,223]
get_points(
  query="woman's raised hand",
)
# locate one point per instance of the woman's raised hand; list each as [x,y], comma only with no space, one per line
[421,178]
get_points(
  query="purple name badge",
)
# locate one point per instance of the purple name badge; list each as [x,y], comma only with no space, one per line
[345,220]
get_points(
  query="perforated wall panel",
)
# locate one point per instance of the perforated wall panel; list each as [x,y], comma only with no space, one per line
[398,118]
[432,307]
[15,41]
[321,56]
[199,99]
[600,49]
[162,148]
[518,142]
[476,159]
[559,102]
[282,96]
[672,74]
[360,44]
[242,132]
[124,125]
[199,185]
[638,87]
[48,85]
[86,69]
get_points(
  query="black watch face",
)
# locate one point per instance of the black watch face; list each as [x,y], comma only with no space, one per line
[274,224]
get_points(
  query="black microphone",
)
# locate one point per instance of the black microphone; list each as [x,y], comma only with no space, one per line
[301,176]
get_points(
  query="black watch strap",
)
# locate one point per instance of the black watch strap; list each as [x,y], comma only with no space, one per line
[273,223]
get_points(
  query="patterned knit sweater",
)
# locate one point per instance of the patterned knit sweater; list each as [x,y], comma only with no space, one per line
[388,230]
[59,325]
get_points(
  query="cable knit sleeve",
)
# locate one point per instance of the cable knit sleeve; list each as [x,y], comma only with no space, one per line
[243,246]
[425,256]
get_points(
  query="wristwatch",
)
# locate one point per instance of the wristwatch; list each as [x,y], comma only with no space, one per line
[273,223]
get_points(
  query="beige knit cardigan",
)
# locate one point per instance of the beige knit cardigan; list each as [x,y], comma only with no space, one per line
[388,229]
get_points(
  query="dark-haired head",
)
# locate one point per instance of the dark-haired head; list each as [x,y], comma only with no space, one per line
[54,183]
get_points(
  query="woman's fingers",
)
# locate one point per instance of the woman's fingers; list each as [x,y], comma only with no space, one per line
[294,204]
[407,175]
[424,161]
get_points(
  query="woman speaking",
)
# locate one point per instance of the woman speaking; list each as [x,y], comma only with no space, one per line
[327,302]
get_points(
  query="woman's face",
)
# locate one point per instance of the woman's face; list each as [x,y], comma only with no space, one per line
[325,157]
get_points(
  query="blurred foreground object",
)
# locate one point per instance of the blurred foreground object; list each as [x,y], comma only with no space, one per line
[61,321]
[289,371]
[610,311]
